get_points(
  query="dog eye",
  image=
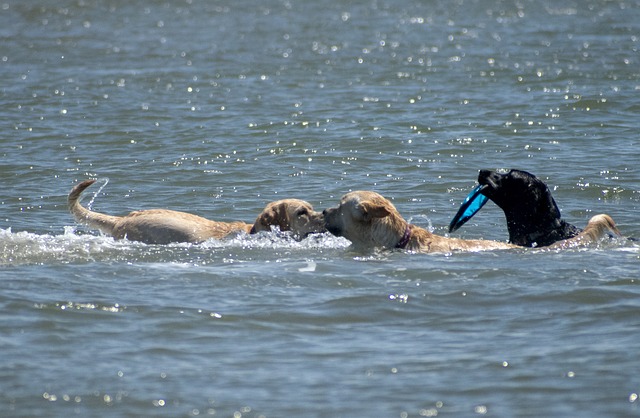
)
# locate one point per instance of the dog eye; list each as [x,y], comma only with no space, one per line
[302,212]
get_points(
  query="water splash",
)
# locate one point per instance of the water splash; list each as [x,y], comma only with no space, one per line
[105,181]
[17,248]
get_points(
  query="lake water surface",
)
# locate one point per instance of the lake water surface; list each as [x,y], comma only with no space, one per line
[218,108]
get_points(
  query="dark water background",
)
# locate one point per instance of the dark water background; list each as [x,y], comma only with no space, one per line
[220,107]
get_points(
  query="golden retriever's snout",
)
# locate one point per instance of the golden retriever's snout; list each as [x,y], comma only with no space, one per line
[314,222]
[330,221]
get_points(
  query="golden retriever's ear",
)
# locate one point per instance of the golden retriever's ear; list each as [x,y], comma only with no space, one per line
[263,221]
[272,215]
[371,210]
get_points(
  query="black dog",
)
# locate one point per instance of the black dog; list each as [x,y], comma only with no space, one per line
[533,218]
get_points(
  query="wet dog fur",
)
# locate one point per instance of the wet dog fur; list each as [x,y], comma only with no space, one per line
[533,217]
[597,227]
[369,221]
[164,226]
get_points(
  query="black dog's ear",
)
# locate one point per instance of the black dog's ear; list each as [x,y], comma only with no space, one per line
[543,202]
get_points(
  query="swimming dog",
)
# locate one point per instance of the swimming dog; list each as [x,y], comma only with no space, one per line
[164,226]
[533,217]
[369,221]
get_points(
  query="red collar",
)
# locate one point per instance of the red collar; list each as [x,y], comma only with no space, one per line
[405,238]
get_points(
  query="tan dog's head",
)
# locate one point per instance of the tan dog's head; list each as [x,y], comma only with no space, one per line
[293,215]
[366,219]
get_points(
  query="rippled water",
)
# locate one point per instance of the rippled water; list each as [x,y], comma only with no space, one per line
[217,108]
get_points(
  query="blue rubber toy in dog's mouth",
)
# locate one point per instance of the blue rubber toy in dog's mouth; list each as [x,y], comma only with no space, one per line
[471,205]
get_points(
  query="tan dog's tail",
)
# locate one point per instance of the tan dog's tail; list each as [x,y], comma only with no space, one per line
[100,221]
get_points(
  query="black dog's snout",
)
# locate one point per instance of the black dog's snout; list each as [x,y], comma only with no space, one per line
[484,174]
[490,178]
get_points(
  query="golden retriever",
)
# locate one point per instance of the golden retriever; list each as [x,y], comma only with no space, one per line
[164,226]
[369,220]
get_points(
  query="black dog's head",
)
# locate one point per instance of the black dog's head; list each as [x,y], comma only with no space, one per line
[533,218]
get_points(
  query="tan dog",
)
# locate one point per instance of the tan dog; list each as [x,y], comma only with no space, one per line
[369,220]
[163,226]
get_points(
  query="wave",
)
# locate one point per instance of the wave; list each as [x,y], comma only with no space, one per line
[18,248]
[70,247]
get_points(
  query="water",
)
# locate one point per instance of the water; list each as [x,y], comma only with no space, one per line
[218,108]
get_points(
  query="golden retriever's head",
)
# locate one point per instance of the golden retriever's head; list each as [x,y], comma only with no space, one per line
[292,215]
[366,219]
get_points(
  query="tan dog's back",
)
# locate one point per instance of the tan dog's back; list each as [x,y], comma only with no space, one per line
[164,226]
[425,241]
